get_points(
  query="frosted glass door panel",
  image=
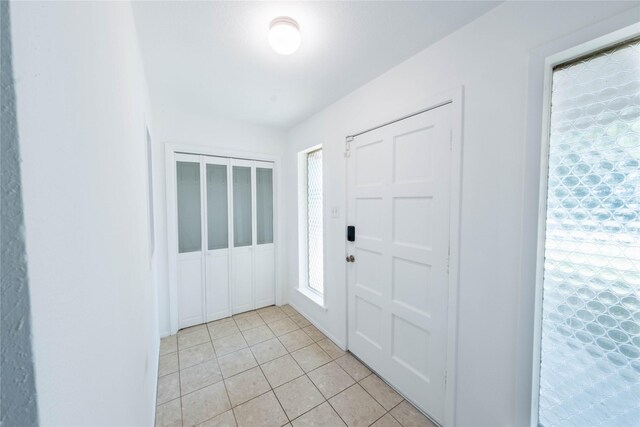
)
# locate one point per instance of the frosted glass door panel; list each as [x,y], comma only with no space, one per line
[189,207]
[590,349]
[264,205]
[217,207]
[242,206]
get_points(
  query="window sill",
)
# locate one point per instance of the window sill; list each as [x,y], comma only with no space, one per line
[318,299]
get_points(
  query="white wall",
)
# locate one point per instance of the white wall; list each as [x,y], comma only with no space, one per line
[81,98]
[228,136]
[490,58]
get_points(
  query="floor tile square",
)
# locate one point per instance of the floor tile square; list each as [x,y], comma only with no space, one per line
[257,335]
[199,376]
[168,388]
[300,320]
[226,419]
[331,348]
[229,344]
[195,355]
[223,329]
[281,370]
[295,340]
[169,414]
[204,404]
[268,350]
[221,321]
[271,315]
[409,416]
[298,396]
[246,385]
[234,363]
[311,357]
[353,367]
[386,421]
[331,379]
[190,339]
[249,322]
[320,416]
[314,333]
[356,407]
[283,326]
[288,310]
[381,391]
[263,411]
[168,364]
[168,345]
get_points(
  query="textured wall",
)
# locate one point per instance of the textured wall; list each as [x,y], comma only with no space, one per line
[17,392]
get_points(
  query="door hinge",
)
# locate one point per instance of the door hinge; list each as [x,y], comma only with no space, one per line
[347,148]
[448,258]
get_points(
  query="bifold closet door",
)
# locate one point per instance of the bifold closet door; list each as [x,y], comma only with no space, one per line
[226,256]
[191,295]
[217,211]
[243,181]
[264,253]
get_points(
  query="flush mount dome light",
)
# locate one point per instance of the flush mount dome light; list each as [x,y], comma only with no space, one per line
[284,35]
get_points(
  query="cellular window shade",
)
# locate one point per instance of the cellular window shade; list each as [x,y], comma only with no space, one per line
[188,188]
[217,207]
[242,227]
[264,205]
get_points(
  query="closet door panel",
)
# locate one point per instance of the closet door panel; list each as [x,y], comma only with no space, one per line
[243,236]
[264,254]
[189,218]
[218,232]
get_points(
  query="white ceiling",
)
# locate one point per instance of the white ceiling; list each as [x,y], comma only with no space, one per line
[213,58]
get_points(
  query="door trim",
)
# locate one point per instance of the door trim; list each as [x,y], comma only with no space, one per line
[170,151]
[455,97]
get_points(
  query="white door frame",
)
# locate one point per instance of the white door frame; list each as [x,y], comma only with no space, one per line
[549,63]
[171,149]
[455,97]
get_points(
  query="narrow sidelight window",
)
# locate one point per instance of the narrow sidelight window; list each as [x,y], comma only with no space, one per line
[315,258]
[590,347]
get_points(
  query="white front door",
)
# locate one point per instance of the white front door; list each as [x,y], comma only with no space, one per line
[398,201]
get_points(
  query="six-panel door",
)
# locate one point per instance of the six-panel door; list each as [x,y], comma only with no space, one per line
[398,201]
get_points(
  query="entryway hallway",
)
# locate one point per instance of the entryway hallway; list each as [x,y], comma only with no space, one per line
[270,367]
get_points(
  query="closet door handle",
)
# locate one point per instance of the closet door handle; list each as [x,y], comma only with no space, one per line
[351,258]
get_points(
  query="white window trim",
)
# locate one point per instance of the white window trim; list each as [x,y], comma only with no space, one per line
[303,243]
[550,62]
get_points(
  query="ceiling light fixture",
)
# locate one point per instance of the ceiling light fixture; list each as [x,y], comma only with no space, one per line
[284,35]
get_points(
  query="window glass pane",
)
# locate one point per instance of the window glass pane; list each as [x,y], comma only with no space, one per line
[188,187]
[314,221]
[217,207]
[242,206]
[264,205]
[590,349]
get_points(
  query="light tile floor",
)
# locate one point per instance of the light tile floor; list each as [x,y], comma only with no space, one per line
[270,367]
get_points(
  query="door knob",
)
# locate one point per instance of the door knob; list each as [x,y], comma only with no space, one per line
[351,258]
